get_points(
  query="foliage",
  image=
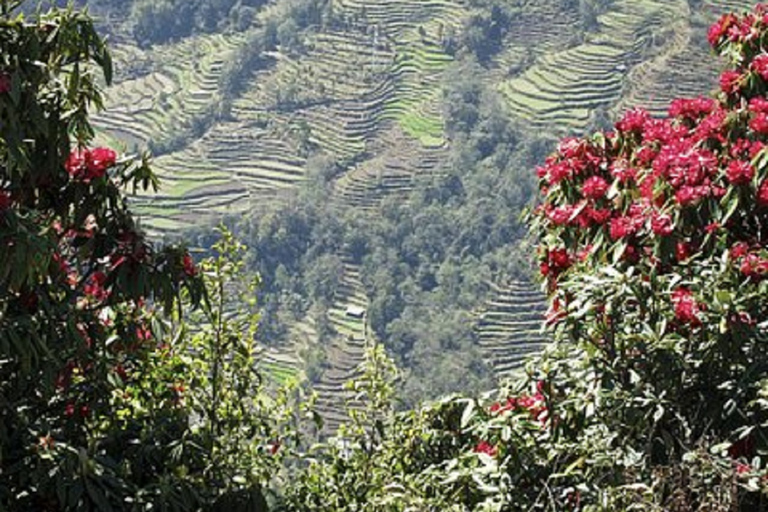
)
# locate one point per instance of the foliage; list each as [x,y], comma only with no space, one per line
[165,20]
[95,411]
[653,396]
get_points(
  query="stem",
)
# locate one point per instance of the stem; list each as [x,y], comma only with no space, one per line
[215,428]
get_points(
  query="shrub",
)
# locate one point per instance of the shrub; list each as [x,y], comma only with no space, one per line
[107,400]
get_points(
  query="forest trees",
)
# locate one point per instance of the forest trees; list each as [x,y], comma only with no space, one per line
[97,371]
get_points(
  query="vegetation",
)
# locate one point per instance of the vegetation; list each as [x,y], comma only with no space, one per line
[112,398]
[131,379]
[369,110]
[653,395]
[425,263]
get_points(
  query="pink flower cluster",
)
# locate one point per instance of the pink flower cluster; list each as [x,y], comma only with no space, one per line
[750,260]
[659,192]
[486,448]
[94,287]
[687,309]
[89,164]
[736,29]
[535,405]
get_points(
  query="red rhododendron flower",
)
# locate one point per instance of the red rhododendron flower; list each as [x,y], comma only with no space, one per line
[661,224]
[758,105]
[739,172]
[143,333]
[683,251]
[594,187]
[75,163]
[739,250]
[634,120]
[760,65]
[557,261]
[683,164]
[95,286]
[712,227]
[645,156]
[730,82]
[754,266]
[501,408]
[712,127]
[598,216]
[742,31]
[5,83]
[5,200]
[663,131]
[718,30]
[189,266]
[561,215]
[691,195]
[535,404]
[686,308]
[99,160]
[759,124]
[623,172]
[558,172]
[559,258]
[486,448]
[746,149]
[691,108]
[762,195]
[86,165]
[625,226]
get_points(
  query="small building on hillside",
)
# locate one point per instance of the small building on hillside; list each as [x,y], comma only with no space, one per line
[355,311]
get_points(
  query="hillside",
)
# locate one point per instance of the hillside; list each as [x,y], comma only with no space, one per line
[357,109]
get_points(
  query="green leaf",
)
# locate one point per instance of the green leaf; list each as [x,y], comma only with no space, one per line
[468,414]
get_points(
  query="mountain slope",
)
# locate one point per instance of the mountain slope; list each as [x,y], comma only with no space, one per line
[365,89]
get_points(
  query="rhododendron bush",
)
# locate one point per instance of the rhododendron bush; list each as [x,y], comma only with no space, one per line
[654,250]
[98,388]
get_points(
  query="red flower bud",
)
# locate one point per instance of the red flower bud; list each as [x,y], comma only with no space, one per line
[486,448]
[189,266]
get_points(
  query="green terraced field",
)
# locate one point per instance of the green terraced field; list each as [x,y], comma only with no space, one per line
[346,351]
[563,88]
[509,326]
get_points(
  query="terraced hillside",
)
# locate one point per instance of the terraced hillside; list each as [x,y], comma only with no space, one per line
[684,67]
[346,350]
[509,325]
[564,87]
[365,89]
[373,69]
